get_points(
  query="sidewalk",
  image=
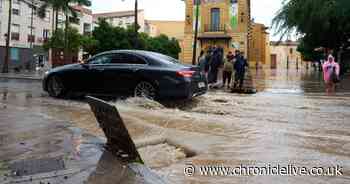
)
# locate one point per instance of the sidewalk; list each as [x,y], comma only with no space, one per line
[36,75]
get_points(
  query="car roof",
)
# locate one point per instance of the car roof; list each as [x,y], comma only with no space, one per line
[141,52]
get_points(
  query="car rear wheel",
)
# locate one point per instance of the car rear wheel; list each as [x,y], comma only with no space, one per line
[146,90]
[56,87]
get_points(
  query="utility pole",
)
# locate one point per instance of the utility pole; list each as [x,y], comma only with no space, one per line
[31,25]
[297,63]
[5,68]
[136,24]
[194,56]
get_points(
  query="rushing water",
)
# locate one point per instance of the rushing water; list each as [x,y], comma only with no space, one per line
[291,120]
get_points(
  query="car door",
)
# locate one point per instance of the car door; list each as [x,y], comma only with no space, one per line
[121,75]
[93,74]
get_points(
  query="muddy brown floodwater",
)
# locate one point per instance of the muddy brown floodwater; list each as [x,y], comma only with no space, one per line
[290,121]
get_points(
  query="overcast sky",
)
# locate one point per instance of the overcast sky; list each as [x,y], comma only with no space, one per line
[262,10]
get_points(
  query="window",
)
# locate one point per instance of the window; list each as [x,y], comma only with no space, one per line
[128,59]
[46,33]
[15,11]
[104,59]
[87,29]
[291,50]
[15,32]
[61,18]
[74,20]
[31,38]
[15,36]
[215,19]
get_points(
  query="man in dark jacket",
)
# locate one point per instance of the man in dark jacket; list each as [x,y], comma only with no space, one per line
[216,62]
[240,68]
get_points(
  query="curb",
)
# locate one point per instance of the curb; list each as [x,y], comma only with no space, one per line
[21,78]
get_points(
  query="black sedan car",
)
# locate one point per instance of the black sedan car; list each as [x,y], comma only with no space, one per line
[139,73]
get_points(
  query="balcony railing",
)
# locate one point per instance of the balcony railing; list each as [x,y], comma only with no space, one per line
[215,28]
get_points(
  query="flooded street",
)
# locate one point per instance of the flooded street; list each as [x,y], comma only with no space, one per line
[291,120]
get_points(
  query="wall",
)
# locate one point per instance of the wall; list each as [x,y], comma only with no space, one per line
[286,51]
[238,35]
[173,29]
[259,55]
[24,20]
[123,18]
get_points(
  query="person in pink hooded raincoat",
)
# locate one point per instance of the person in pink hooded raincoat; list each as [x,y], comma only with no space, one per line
[329,67]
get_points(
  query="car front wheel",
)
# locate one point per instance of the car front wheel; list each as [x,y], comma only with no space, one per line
[146,90]
[55,87]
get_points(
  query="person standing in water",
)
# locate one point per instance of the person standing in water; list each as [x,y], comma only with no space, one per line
[202,63]
[228,69]
[240,68]
[331,71]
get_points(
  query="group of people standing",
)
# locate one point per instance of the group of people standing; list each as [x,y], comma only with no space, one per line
[213,63]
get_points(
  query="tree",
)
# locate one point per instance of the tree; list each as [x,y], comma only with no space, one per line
[308,51]
[63,6]
[321,23]
[57,40]
[106,37]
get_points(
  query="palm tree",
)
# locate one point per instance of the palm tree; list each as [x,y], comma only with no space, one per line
[65,7]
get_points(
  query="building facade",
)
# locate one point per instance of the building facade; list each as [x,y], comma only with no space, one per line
[173,29]
[24,35]
[284,55]
[122,18]
[28,33]
[259,52]
[222,23]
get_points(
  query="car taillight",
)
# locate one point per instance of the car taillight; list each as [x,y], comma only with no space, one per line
[186,74]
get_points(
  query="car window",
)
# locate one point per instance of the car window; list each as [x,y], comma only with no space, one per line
[123,58]
[120,58]
[104,59]
[163,58]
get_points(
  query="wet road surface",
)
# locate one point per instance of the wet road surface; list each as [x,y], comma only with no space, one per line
[290,121]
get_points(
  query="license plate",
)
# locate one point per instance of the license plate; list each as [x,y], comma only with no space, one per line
[201,85]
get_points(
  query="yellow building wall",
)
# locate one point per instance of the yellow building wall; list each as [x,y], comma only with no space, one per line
[173,29]
[287,51]
[259,55]
[239,35]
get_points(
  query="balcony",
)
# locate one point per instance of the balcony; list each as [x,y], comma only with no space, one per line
[214,32]
[215,28]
